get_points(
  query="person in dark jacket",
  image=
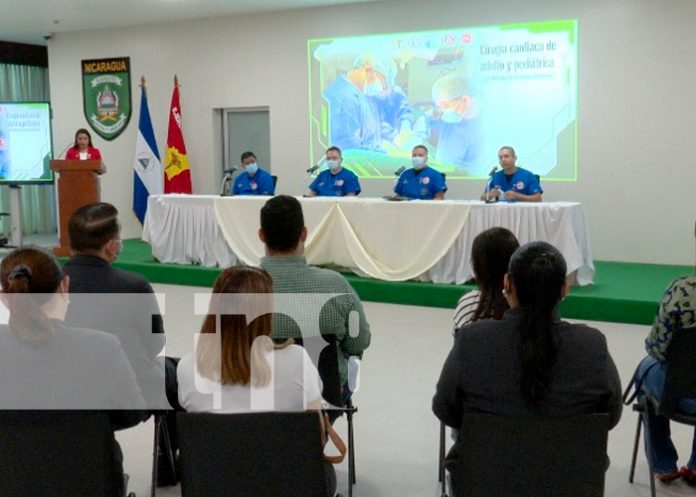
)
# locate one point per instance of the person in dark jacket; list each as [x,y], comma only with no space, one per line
[530,362]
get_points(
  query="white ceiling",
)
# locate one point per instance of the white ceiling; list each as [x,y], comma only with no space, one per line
[35,21]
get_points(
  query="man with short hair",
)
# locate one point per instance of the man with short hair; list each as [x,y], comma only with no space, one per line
[421,182]
[95,243]
[335,181]
[516,183]
[283,233]
[254,180]
[121,303]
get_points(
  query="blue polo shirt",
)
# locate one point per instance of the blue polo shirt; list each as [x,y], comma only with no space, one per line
[423,184]
[522,181]
[260,184]
[335,185]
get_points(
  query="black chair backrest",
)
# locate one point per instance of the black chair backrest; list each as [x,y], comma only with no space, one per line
[532,456]
[325,347]
[57,454]
[275,180]
[269,454]
[680,377]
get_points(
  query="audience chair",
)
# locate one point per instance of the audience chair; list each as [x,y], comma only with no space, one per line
[275,180]
[269,454]
[58,454]
[326,348]
[524,456]
[680,381]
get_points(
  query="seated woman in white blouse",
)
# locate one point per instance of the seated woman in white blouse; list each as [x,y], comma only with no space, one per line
[239,369]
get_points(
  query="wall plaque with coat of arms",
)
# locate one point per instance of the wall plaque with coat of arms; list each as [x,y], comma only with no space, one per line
[106,95]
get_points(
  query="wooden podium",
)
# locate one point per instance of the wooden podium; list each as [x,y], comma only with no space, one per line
[78,185]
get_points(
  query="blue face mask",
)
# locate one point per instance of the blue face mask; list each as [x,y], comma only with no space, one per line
[251,168]
[451,117]
[333,165]
[418,162]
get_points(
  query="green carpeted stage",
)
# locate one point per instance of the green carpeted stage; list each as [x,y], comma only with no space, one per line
[622,292]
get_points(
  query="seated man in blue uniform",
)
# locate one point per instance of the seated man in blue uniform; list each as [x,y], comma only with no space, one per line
[515,183]
[422,181]
[335,181]
[253,181]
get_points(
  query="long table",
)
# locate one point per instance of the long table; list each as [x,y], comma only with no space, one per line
[394,241]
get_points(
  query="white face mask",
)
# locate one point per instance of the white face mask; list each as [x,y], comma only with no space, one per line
[333,165]
[451,117]
[118,249]
[251,168]
[374,89]
[418,163]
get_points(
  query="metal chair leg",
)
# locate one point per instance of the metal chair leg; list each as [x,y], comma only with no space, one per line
[351,454]
[155,452]
[635,448]
[441,461]
[441,455]
[169,451]
[651,471]
[652,483]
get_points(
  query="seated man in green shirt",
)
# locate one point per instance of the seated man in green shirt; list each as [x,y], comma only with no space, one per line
[327,297]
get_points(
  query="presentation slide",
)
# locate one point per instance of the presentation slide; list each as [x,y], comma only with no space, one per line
[25,142]
[463,93]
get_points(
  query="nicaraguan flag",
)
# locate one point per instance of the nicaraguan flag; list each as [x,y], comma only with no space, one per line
[147,167]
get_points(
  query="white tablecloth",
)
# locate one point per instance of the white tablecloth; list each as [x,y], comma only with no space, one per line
[182,229]
[392,241]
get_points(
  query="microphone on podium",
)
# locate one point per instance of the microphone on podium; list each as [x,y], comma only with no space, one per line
[488,186]
[225,186]
[61,155]
[316,166]
[399,171]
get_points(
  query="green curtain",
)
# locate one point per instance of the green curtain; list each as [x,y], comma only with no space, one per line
[28,83]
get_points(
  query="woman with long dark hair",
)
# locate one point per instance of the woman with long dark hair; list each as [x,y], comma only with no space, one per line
[76,368]
[529,362]
[46,365]
[490,255]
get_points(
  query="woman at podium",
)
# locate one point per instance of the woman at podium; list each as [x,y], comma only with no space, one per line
[82,148]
